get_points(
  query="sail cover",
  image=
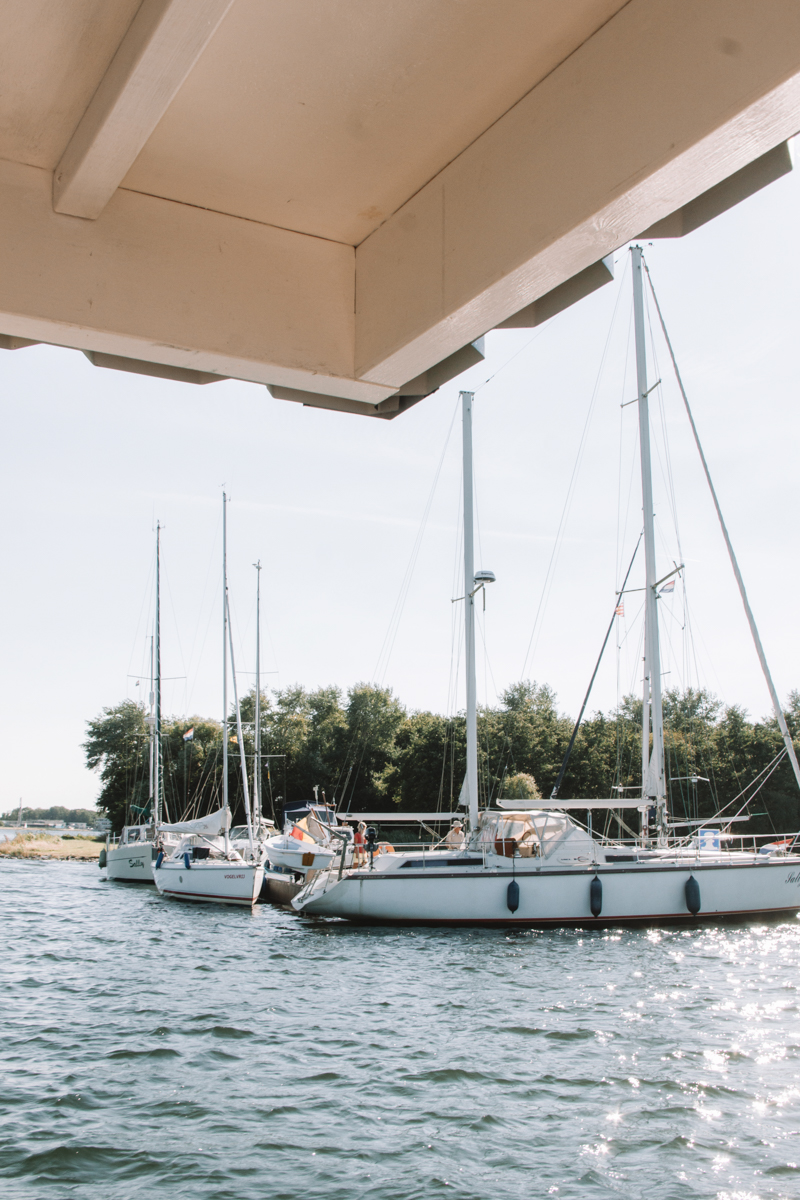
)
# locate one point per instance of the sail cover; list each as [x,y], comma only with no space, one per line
[214,823]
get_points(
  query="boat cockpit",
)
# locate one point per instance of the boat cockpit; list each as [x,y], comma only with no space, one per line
[136,833]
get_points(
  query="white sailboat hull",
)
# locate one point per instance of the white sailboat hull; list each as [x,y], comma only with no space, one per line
[210,880]
[638,893]
[132,863]
[301,857]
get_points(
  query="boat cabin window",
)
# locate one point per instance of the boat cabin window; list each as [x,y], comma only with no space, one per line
[132,835]
[529,834]
[429,863]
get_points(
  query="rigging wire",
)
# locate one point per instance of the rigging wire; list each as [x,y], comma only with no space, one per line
[357,744]
[559,538]
[508,361]
[382,664]
[779,716]
[213,560]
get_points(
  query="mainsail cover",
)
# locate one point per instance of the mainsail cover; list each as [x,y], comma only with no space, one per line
[215,823]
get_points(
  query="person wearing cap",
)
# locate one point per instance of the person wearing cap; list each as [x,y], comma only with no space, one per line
[360,846]
[454,840]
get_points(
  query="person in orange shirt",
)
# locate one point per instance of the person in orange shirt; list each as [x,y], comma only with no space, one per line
[360,846]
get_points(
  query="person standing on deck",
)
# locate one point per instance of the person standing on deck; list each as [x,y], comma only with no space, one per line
[454,840]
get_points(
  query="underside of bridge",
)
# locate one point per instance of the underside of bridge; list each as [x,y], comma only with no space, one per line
[338,198]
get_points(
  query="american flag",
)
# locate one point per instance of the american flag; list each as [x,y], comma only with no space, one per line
[620,610]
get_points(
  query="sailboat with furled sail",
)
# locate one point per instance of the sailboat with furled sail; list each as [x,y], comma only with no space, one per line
[205,865]
[531,863]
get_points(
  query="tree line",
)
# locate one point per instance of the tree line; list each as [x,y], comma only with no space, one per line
[366,752]
[57,812]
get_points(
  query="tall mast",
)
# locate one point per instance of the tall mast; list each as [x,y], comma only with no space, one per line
[151,724]
[158,768]
[225,672]
[257,758]
[240,739]
[469,616]
[653,784]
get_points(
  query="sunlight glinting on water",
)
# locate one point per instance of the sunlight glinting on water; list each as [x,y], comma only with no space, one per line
[154,1048]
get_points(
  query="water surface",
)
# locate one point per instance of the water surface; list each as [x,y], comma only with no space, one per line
[151,1048]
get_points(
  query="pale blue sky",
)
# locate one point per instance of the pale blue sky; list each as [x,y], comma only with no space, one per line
[332,504]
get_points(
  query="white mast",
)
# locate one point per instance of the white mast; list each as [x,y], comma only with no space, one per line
[240,739]
[157,765]
[469,616]
[653,783]
[257,757]
[225,810]
[151,724]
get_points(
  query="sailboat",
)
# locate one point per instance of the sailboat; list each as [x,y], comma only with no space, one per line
[131,857]
[530,863]
[205,865]
[311,838]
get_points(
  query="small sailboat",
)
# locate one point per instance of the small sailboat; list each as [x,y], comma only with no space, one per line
[205,865]
[130,858]
[311,839]
[531,863]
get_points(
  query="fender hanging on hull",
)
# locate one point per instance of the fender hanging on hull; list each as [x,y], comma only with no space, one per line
[692,890]
[596,896]
[512,896]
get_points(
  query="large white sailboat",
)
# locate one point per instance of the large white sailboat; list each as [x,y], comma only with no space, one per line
[205,865]
[530,863]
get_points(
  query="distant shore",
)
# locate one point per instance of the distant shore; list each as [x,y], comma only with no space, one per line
[69,848]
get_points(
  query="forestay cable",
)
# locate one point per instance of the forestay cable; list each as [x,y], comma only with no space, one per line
[787,738]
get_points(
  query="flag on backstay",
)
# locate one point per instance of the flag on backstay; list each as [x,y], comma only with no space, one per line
[619,611]
[189,735]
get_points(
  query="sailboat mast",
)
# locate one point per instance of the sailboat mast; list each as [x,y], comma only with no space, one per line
[151,724]
[257,756]
[653,785]
[225,672]
[469,615]
[240,740]
[158,770]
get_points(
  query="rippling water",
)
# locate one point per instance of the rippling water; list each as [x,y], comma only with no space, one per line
[154,1049]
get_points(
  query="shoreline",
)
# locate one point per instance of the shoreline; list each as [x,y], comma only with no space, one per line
[41,848]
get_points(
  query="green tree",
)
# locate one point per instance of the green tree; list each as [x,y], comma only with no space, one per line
[420,776]
[300,726]
[192,770]
[366,745]
[117,746]
[521,787]
[56,812]
[367,753]
[525,736]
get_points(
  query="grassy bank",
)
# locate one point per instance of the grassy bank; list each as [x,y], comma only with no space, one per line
[35,845]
